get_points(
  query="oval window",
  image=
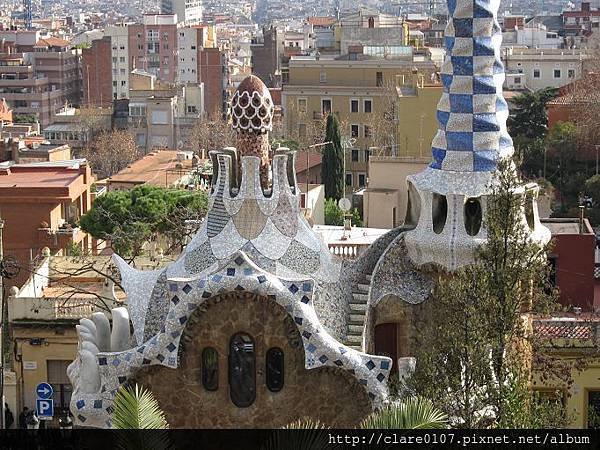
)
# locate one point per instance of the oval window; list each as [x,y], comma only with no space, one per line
[439,211]
[242,370]
[275,369]
[210,369]
[473,216]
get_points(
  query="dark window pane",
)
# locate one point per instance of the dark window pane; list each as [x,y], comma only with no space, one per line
[275,369]
[210,369]
[242,370]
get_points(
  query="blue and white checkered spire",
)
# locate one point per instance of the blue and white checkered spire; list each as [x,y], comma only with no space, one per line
[472,112]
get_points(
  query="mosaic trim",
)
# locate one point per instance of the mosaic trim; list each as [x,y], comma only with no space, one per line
[240,274]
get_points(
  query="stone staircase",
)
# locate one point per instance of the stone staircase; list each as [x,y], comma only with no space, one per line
[358,309]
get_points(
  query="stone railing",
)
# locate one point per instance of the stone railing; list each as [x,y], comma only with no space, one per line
[347,250]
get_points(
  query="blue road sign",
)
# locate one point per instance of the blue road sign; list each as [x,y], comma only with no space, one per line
[44,408]
[44,391]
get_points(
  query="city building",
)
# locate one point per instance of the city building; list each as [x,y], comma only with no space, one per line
[120,61]
[212,67]
[364,93]
[41,203]
[37,82]
[153,46]
[42,314]
[160,116]
[385,200]
[188,12]
[573,261]
[98,84]
[535,69]
[267,50]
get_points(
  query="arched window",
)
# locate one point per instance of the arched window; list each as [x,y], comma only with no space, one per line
[275,369]
[210,369]
[439,211]
[242,370]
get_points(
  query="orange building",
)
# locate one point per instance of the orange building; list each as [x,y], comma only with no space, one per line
[40,204]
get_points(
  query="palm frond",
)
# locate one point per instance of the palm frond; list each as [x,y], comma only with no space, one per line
[136,408]
[412,413]
[316,439]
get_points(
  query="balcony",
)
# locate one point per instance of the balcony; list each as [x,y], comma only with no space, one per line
[59,238]
[45,309]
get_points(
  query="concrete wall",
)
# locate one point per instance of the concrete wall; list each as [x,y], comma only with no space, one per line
[387,174]
[328,395]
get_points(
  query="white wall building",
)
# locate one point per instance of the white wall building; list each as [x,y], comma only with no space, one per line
[188,12]
[541,68]
[189,41]
[534,35]
[119,41]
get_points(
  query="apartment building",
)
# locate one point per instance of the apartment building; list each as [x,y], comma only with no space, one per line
[534,69]
[190,41]
[37,80]
[97,75]
[160,116]
[40,204]
[362,92]
[119,59]
[153,46]
[212,67]
[188,12]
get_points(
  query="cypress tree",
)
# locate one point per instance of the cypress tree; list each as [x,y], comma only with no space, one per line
[332,166]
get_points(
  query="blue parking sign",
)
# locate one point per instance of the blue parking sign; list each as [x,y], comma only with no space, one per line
[44,408]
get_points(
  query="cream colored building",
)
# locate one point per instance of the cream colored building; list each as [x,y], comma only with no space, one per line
[385,200]
[537,69]
[161,116]
[362,92]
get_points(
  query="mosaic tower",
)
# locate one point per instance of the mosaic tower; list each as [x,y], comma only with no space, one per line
[447,201]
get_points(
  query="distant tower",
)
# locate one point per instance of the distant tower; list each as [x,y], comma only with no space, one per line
[27,8]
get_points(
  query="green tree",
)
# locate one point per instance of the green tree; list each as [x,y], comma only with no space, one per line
[565,170]
[472,342]
[129,219]
[335,216]
[528,116]
[332,166]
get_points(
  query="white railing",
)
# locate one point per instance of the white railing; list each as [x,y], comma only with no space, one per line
[347,251]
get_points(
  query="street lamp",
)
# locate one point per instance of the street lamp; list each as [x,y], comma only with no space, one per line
[597,147]
[345,144]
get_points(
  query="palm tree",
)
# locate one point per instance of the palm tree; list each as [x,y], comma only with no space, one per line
[136,408]
[412,413]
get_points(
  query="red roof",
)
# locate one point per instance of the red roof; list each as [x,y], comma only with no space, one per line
[321,21]
[52,42]
[314,160]
[566,330]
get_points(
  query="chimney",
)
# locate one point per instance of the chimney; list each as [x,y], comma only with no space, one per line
[585,6]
